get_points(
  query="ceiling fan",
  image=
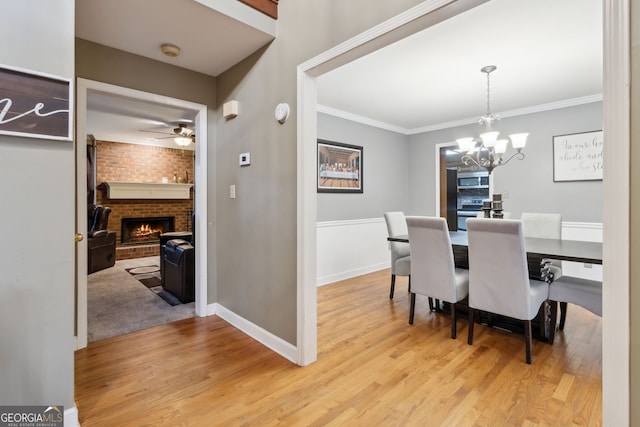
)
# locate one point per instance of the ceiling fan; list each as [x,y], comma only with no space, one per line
[182,135]
[185,136]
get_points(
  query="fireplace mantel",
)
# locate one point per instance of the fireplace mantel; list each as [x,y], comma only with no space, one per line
[146,190]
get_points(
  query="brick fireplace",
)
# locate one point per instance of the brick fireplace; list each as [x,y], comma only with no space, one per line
[143,164]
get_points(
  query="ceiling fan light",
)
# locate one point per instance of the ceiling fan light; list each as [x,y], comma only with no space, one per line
[182,141]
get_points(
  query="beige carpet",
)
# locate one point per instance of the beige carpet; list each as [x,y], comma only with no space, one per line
[117,303]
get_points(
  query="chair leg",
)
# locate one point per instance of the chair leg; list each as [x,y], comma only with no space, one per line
[438,308]
[409,287]
[412,308]
[563,315]
[554,320]
[393,285]
[430,304]
[527,337]
[453,321]
[471,322]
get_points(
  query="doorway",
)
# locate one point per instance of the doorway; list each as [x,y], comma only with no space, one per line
[616,203]
[84,89]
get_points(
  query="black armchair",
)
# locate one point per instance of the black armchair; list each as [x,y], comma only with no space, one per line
[101,242]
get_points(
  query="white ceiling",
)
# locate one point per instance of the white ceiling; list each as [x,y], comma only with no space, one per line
[546,51]
[210,41]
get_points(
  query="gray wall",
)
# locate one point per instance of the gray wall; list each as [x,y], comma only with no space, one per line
[257,231]
[108,65]
[576,201]
[385,173]
[37,189]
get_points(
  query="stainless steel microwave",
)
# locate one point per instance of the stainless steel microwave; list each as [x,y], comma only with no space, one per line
[473,180]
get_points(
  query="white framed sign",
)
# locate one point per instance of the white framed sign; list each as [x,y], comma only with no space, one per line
[578,157]
[35,105]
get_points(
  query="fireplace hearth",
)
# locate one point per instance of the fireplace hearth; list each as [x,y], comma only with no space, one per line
[138,231]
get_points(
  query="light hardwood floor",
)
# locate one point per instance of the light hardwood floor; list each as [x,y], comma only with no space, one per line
[373,369]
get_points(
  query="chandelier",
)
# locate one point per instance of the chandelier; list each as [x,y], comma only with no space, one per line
[489,154]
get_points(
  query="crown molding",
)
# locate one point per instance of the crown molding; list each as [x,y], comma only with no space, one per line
[511,113]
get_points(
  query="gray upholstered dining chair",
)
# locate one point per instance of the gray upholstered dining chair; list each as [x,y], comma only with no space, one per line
[545,226]
[400,253]
[499,275]
[433,272]
[584,292]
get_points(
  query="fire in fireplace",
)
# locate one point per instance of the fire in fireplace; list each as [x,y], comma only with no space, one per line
[137,231]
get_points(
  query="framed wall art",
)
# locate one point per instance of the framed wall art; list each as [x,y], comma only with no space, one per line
[339,167]
[35,105]
[578,157]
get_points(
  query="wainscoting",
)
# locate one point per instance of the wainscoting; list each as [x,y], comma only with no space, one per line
[351,248]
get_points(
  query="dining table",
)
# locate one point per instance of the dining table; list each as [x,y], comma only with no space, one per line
[558,249]
[538,249]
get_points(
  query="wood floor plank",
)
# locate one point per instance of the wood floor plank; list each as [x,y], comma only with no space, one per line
[373,368]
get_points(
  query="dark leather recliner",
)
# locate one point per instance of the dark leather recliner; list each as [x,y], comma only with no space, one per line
[178,269]
[101,242]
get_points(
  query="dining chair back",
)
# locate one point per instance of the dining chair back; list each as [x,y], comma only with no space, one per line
[400,251]
[499,275]
[433,271]
[545,226]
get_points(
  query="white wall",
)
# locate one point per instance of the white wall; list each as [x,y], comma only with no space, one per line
[351,248]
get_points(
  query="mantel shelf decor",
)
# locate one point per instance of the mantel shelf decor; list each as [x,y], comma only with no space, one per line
[146,190]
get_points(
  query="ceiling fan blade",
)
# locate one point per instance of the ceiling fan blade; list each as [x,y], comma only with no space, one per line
[156,131]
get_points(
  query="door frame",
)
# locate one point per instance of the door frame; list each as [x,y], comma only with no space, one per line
[616,216]
[84,88]
[437,171]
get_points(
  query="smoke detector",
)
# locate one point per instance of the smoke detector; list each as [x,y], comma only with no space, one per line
[170,50]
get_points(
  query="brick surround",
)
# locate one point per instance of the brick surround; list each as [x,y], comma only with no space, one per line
[141,163]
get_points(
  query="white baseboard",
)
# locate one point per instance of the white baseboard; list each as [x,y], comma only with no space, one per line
[343,275]
[211,309]
[71,417]
[277,344]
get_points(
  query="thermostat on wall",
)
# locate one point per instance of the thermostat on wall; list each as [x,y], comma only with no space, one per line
[282,112]
[245,159]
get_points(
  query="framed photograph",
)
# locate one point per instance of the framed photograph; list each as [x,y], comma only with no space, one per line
[578,157]
[35,105]
[339,167]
